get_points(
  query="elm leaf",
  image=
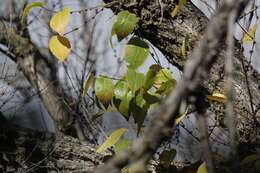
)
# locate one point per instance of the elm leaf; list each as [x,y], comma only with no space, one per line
[124,25]
[136,52]
[104,89]
[60,47]
[112,140]
[60,20]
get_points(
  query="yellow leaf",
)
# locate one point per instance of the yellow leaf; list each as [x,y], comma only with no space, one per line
[60,47]
[217,97]
[178,120]
[88,83]
[28,8]
[60,20]
[250,35]
[112,139]
[202,168]
[178,8]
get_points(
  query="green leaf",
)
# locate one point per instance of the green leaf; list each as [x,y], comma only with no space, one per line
[163,76]
[178,8]
[122,145]
[135,80]
[136,52]
[202,168]
[121,90]
[125,104]
[124,25]
[104,89]
[151,98]
[139,114]
[88,83]
[166,87]
[112,139]
[166,157]
[28,8]
[150,76]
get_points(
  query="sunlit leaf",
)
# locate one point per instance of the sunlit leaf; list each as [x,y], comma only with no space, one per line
[121,90]
[136,52]
[60,47]
[166,87]
[124,25]
[178,120]
[250,159]
[178,7]
[88,83]
[122,145]
[60,20]
[29,7]
[162,76]
[217,97]
[151,76]
[250,35]
[139,108]
[202,168]
[135,80]
[104,89]
[125,104]
[112,139]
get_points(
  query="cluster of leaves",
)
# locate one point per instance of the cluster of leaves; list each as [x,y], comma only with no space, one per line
[59,45]
[135,92]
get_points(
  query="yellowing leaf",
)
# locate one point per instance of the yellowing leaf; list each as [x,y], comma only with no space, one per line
[124,25]
[60,47]
[217,97]
[162,76]
[60,21]
[88,83]
[136,52]
[104,89]
[121,146]
[202,168]
[178,8]
[28,8]
[112,139]
[250,35]
[178,120]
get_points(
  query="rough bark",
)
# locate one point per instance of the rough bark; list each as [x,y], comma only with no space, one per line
[26,150]
[168,35]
